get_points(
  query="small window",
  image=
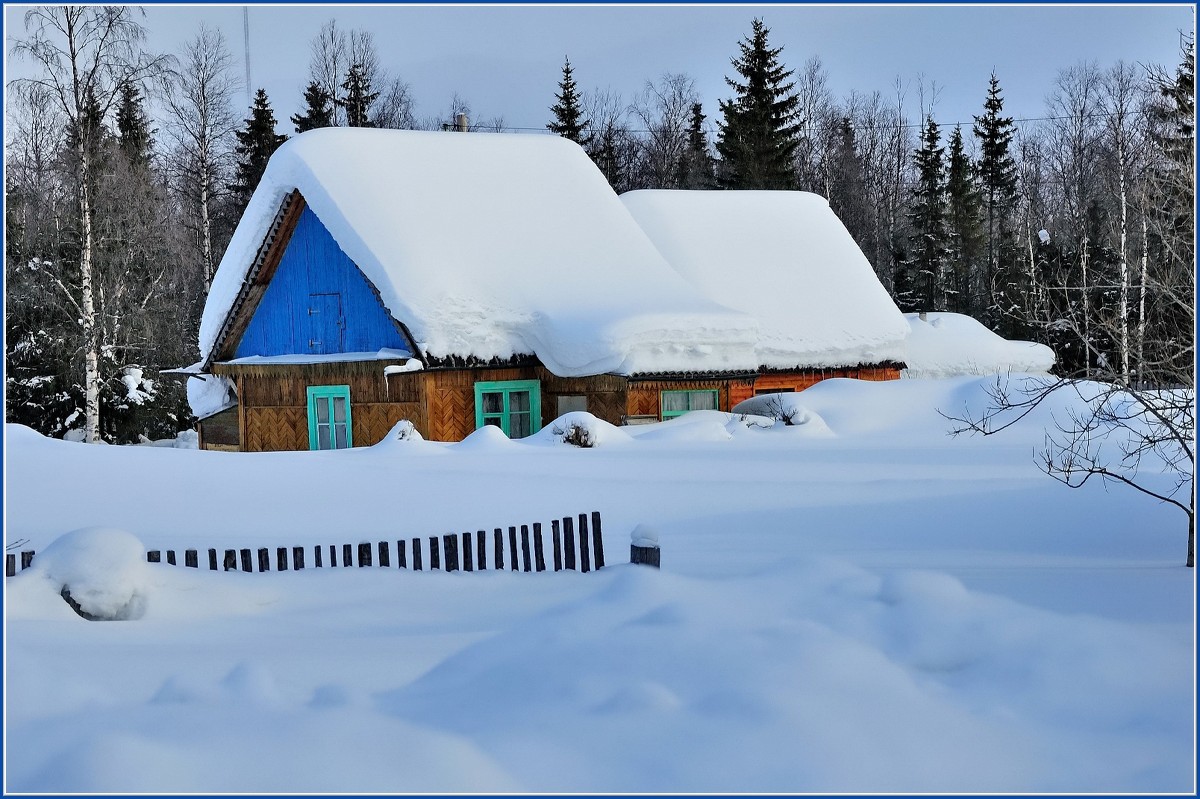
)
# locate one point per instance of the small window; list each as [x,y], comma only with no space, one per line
[677,403]
[515,406]
[570,404]
[329,422]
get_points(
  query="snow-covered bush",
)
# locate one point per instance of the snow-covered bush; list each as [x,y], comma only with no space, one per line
[100,571]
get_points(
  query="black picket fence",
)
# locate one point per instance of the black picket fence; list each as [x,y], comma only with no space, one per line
[572,547]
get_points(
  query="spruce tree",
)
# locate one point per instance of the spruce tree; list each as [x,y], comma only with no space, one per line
[997,174]
[133,129]
[927,215]
[256,142]
[761,128]
[847,188]
[358,98]
[568,112]
[695,164]
[318,110]
[965,227]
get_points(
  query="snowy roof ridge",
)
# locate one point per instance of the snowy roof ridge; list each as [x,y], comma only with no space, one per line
[784,258]
[490,246]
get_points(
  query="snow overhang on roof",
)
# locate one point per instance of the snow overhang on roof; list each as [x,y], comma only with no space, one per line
[784,258]
[492,246]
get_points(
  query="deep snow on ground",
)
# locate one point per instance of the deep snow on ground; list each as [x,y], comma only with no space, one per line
[855,603]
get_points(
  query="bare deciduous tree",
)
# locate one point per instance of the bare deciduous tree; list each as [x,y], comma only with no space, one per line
[85,55]
[200,121]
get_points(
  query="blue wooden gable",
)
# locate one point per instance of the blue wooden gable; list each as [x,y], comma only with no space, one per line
[318,303]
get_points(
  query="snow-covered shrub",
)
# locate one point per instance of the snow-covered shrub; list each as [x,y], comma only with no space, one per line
[582,429]
[100,571]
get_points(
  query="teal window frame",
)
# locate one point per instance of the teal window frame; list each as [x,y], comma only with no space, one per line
[664,414]
[507,388]
[326,394]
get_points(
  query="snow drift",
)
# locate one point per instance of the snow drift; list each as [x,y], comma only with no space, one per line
[950,345]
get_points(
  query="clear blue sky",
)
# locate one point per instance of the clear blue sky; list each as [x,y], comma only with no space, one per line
[505,60]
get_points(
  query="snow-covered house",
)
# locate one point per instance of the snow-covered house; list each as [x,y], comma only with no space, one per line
[784,258]
[458,281]
[454,281]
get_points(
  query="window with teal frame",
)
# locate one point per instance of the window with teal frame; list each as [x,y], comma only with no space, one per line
[677,403]
[329,424]
[515,406]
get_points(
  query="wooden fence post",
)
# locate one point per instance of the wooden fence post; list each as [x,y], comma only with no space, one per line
[191,559]
[347,555]
[569,542]
[27,559]
[499,549]
[416,544]
[554,534]
[297,558]
[332,555]
[246,565]
[539,556]
[481,550]
[512,549]
[171,557]
[401,560]
[525,564]
[597,539]
[435,553]
[230,562]
[10,565]
[585,558]
[364,554]
[281,558]
[385,557]
[264,559]
[643,546]
[317,556]
[212,560]
[450,543]
[468,555]
[154,556]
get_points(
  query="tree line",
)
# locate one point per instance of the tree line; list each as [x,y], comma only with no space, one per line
[128,171]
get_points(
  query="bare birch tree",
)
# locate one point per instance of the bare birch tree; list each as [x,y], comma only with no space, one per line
[85,54]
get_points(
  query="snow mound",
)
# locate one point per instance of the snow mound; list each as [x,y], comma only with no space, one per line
[102,568]
[950,344]
[784,258]
[488,437]
[694,426]
[402,432]
[786,411]
[581,429]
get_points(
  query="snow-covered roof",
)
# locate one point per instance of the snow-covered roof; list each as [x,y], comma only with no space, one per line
[785,258]
[492,245]
[950,344]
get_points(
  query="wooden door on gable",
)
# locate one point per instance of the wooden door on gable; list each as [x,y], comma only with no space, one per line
[326,324]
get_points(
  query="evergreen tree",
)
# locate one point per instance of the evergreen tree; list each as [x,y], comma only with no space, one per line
[965,227]
[569,121]
[761,128]
[696,164]
[358,98]
[133,129]
[997,174]
[927,215]
[256,142]
[847,185]
[318,111]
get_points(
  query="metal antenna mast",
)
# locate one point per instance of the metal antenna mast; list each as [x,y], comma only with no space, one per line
[246,35]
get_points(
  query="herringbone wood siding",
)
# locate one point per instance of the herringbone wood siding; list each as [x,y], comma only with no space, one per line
[276,429]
